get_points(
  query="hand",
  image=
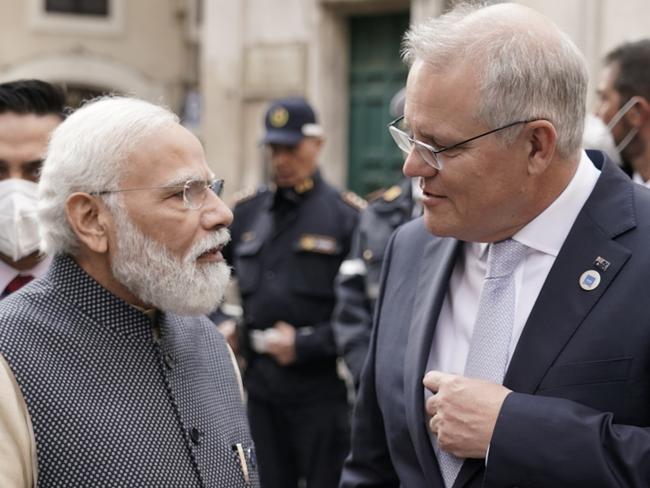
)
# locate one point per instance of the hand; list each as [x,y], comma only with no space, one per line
[228,329]
[282,344]
[463,412]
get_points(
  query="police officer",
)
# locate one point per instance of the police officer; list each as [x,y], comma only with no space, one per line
[288,241]
[357,283]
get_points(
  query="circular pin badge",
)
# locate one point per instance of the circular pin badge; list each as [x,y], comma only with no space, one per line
[589,280]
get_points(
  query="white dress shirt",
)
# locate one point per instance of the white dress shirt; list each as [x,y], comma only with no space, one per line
[544,237]
[637,178]
[7,273]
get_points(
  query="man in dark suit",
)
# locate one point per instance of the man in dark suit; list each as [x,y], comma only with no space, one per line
[518,356]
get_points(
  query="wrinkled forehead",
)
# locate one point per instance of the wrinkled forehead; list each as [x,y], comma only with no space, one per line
[167,156]
[440,95]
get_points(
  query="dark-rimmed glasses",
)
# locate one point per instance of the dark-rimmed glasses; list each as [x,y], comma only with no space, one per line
[428,152]
[194,191]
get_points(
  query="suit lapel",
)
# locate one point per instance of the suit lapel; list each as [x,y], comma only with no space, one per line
[563,305]
[438,262]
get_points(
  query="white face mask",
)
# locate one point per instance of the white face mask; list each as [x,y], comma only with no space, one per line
[617,118]
[597,136]
[18,223]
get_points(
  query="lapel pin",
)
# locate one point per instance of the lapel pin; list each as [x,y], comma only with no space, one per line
[589,280]
[601,263]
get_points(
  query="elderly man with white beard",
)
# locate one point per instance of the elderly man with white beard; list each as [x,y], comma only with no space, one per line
[109,373]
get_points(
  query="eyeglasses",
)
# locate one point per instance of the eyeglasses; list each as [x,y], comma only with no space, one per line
[194,191]
[430,153]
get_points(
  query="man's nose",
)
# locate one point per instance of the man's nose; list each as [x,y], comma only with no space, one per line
[215,213]
[415,165]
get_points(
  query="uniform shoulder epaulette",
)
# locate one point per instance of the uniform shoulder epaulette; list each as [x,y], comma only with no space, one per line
[374,195]
[354,200]
[392,193]
[247,194]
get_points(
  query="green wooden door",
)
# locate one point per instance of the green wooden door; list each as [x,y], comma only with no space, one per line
[376,74]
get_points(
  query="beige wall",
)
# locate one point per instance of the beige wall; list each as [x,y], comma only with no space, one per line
[256,50]
[143,52]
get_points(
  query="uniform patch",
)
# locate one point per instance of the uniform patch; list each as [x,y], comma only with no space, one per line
[318,243]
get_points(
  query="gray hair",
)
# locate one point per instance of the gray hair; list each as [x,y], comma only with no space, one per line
[524,73]
[89,153]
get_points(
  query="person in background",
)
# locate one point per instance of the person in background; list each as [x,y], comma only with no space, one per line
[511,343]
[357,283]
[29,111]
[110,374]
[288,241]
[598,137]
[624,104]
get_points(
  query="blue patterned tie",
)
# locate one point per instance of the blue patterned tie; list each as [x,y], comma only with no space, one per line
[490,344]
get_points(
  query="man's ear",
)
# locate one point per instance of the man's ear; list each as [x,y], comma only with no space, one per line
[89,219]
[542,139]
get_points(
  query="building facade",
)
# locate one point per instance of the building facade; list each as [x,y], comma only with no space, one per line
[146,48]
[218,63]
[343,55]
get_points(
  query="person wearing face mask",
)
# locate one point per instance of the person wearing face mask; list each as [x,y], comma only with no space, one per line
[623,104]
[29,111]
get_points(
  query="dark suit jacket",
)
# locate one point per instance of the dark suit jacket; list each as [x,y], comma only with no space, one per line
[580,411]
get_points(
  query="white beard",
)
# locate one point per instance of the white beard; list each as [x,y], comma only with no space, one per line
[160,279]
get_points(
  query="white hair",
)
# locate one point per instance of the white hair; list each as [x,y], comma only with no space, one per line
[524,72]
[89,153]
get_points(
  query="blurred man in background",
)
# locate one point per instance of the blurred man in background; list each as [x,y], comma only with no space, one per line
[288,241]
[29,111]
[357,283]
[624,104]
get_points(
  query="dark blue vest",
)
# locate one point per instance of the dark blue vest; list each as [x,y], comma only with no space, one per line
[115,404]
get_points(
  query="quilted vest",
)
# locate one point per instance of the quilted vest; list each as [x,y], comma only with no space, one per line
[115,401]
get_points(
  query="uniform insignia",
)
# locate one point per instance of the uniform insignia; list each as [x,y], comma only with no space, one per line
[304,186]
[316,243]
[367,254]
[279,117]
[392,193]
[248,236]
[354,200]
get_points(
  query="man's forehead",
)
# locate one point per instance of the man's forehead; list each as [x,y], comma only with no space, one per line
[438,99]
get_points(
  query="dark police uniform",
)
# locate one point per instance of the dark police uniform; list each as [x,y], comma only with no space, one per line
[287,246]
[357,283]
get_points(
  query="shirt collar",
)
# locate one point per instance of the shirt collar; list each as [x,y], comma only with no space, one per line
[8,273]
[636,177]
[548,231]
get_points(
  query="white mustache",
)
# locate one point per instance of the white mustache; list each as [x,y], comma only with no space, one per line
[214,240]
